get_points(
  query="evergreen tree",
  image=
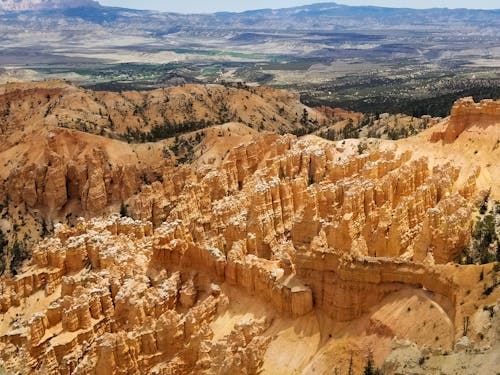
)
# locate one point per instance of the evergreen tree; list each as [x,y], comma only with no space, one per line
[45,230]
[350,371]
[484,235]
[3,244]
[369,369]
[19,253]
[123,210]
[305,118]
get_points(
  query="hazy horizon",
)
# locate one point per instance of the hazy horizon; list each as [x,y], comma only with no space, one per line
[200,6]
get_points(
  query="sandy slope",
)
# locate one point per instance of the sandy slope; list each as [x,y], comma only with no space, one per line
[477,147]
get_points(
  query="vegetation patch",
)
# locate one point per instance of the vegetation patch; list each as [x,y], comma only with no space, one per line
[485,244]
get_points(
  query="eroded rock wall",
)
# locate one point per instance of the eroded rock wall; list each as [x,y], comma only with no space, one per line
[466,113]
[301,224]
[126,298]
[381,204]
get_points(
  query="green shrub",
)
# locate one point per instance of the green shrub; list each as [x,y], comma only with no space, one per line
[19,255]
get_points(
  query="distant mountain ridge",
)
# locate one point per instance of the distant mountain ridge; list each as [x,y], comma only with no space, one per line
[318,16]
[328,9]
[323,16]
[27,5]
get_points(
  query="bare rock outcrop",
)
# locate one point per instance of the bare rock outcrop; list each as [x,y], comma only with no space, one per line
[383,204]
[123,304]
[466,113]
[132,115]
[300,226]
[86,181]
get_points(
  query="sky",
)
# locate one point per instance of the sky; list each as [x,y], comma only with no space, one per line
[208,6]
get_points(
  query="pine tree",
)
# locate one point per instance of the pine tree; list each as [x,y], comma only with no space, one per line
[19,255]
[305,118]
[3,244]
[123,210]
[350,371]
[369,369]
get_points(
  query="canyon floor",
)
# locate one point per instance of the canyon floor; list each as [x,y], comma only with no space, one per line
[186,231]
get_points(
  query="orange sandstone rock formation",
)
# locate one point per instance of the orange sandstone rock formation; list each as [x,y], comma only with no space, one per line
[297,223]
[55,103]
[228,265]
[466,113]
[57,168]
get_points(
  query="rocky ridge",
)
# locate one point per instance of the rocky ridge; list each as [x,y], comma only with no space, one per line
[131,115]
[64,154]
[465,114]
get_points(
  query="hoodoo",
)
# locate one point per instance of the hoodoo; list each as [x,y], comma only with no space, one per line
[274,241]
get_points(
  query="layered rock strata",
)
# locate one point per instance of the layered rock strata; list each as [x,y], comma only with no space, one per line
[466,113]
[279,192]
[172,111]
[302,224]
[91,179]
[115,307]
